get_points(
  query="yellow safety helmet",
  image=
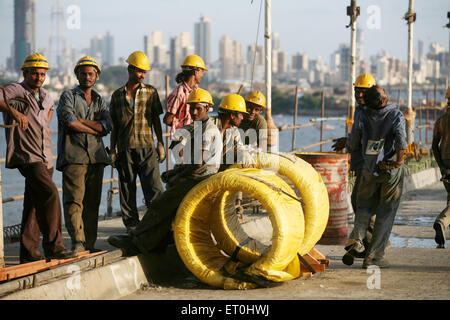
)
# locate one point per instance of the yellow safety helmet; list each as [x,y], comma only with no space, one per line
[447,94]
[193,61]
[257,98]
[364,81]
[200,95]
[35,60]
[233,102]
[87,61]
[139,60]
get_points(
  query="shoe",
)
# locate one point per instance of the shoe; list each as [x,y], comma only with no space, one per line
[356,250]
[78,247]
[63,254]
[125,243]
[379,262]
[440,234]
[30,259]
[94,250]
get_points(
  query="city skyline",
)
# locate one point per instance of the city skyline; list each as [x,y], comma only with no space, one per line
[247,18]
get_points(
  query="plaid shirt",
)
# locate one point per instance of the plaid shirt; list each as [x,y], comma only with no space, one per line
[133,125]
[176,105]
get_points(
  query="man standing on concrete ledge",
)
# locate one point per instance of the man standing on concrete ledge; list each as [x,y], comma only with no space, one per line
[29,149]
[83,120]
[135,109]
[441,152]
[381,135]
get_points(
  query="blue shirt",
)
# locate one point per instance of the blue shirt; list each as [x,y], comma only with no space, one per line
[378,135]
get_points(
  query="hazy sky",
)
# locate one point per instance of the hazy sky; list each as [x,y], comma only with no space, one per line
[315,27]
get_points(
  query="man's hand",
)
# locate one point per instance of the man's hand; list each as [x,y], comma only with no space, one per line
[20,118]
[161,152]
[113,157]
[339,144]
[389,165]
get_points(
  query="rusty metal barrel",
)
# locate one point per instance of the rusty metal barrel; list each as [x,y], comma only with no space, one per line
[333,168]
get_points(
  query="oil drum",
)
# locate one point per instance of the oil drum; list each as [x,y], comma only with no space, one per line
[333,168]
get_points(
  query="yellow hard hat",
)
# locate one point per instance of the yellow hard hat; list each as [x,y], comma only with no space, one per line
[87,61]
[364,81]
[194,61]
[200,95]
[35,60]
[139,60]
[257,98]
[447,94]
[233,102]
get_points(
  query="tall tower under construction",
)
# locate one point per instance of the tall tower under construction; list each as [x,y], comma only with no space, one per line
[24,30]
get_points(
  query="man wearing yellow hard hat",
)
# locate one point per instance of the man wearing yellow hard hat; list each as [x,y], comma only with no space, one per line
[441,152]
[177,113]
[135,109]
[254,126]
[29,149]
[362,83]
[83,120]
[153,233]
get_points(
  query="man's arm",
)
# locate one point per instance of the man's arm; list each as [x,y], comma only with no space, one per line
[16,115]
[435,147]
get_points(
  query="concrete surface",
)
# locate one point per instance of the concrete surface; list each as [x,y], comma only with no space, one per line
[418,270]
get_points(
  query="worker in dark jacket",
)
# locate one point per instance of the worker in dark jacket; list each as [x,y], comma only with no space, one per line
[381,136]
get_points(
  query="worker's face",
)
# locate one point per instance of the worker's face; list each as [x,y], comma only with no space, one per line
[87,76]
[34,77]
[236,118]
[253,111]
[198,111]
[136,75]
[359,95]
[198,74]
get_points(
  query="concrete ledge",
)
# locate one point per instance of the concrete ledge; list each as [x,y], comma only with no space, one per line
[112,281]
[421,179]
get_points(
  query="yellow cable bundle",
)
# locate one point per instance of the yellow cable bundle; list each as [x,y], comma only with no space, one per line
[192,231]
[228,231]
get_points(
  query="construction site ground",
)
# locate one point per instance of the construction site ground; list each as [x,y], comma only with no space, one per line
[418,271]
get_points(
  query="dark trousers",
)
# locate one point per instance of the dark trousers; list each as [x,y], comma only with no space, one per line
[156,225]
[82,192]
[41,212]
[132,163]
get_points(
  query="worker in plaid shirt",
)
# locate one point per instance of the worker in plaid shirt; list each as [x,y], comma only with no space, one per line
[135,109]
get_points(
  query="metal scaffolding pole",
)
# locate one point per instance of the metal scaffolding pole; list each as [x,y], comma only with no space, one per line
[272,136]
[353,11]
[410,17]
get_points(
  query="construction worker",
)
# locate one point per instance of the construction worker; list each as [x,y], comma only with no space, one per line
[381,136]
[153,233]
[441,152]
[29,149]
[177,113]
[83,120]
[254,126]
[362,83]
[135,109]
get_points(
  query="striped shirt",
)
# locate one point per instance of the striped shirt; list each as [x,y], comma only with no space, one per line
[442,133]
[176,105]
[133,125]
[35,143]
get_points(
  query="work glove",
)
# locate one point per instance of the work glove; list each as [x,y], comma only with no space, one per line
[161,152]
[389,165]
[339,144]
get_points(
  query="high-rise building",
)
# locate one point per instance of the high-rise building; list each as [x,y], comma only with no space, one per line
[24,30]
[300,61]
[180,47]
[202,39]
[231,60]
[102,49]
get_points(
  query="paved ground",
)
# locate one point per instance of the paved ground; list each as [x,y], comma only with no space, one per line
[418,270]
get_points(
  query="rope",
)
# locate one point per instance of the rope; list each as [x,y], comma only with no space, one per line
[9,107]
[256,45]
